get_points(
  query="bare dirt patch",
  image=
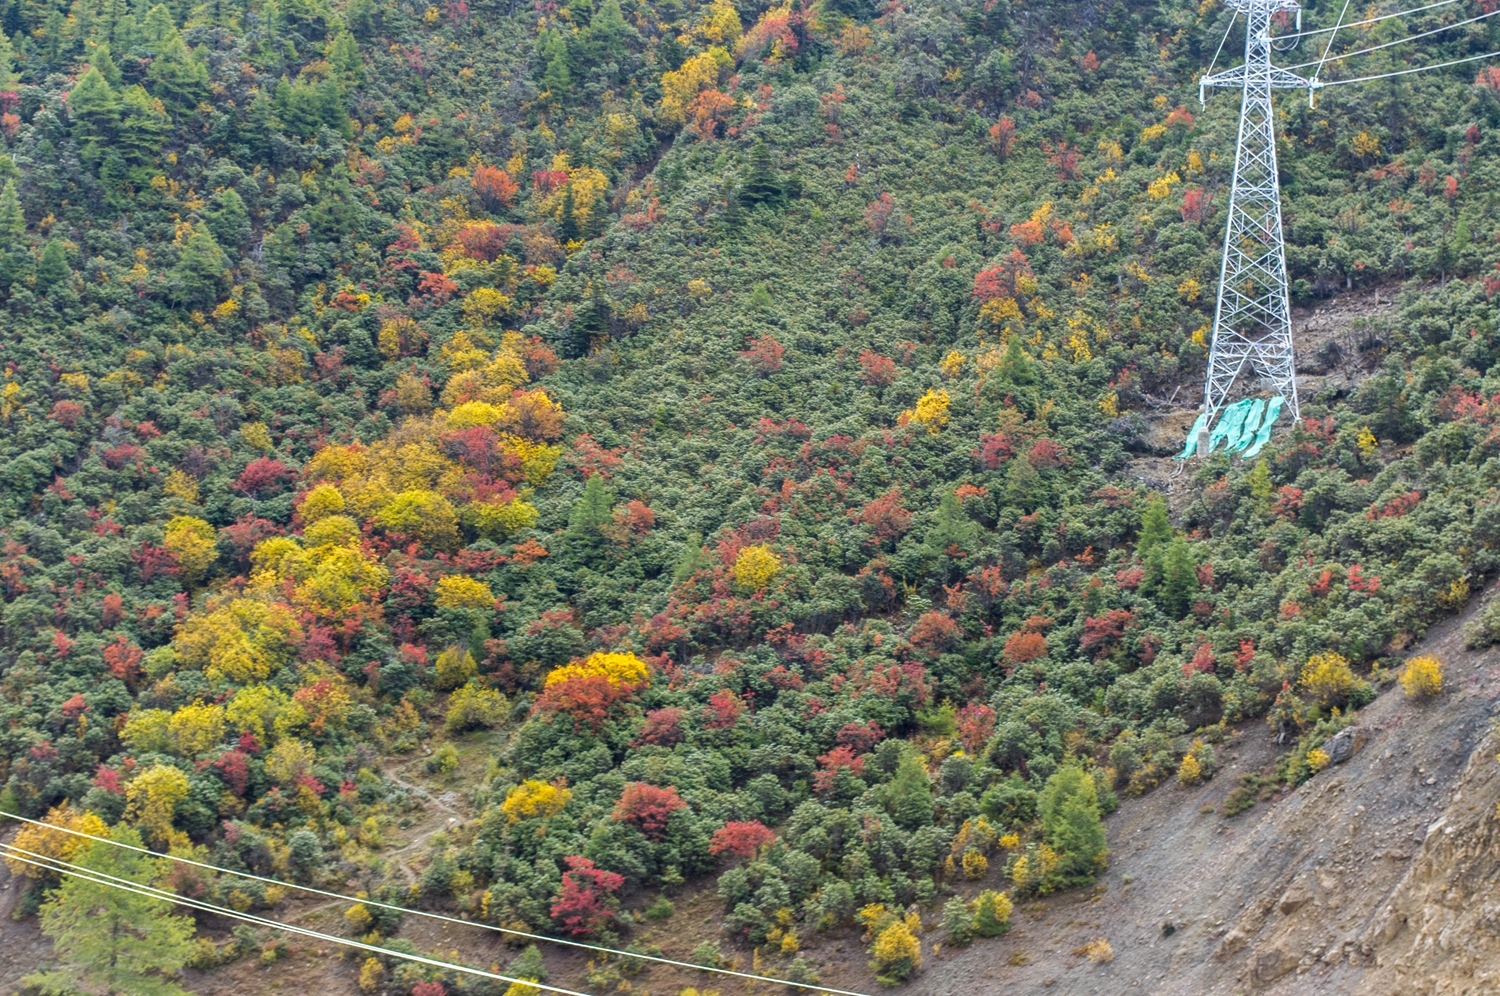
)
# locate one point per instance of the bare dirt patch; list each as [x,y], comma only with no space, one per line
[1372,878]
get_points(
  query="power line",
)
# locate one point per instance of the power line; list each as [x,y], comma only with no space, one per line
[1213,62]
[1405,72]
[1398,41]
[1329,47]
[101,878]
[1373,20]
[582,945]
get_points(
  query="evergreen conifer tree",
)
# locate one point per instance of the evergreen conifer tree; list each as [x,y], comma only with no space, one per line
[567,225]
[7,62]
[590,514]
[112,938]
[1156,527]
[761,185]
[1179,579]
[557,76]
[588,324]
[1071,824]
[12,220]
[908,797]
[95,108]
[53,267]
[199,273]
[178,76]
[951,528]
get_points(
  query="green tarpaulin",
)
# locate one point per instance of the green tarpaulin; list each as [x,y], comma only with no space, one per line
[1192,439]
[1244,427]
[1228,428]
[1273,410]
[1248,426]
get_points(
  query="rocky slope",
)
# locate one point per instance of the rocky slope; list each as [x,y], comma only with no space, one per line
[1376,877]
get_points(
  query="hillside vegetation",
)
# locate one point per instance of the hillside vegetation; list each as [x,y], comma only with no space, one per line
[707,431]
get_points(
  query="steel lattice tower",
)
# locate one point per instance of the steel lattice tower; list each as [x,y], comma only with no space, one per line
[1252,320]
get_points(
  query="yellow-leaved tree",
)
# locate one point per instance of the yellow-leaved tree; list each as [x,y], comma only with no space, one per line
[931,410]
[1329,680]
[55,843]
[533,799]
[755,567]
[190,541]
[151,800]
[619,668]
[455,667]
[197,728]
[459,591]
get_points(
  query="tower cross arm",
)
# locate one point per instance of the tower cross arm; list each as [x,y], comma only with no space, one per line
[1280,79]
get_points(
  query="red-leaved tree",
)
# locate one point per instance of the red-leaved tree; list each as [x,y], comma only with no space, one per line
[1103,634]
[647,808]
[587,701]
[742,839]
[663,727]
[1024,646]
[976,724]
[495,187]
[830,764]
[263,475]
[586,902]
[765,355]
[879,370]
[124,659]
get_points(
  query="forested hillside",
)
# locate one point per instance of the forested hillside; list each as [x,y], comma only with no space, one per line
[704,438]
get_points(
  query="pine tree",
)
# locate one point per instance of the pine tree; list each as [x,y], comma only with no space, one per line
[177,75]
[567,224]
[1260,485]
[908,797]
[95,108]
[589,516]
[1021,480]
[53,267]
[12,220]
[1016,368]
[101,57]
[670,54]
[199,273]
[143,127]
[761,185]
[158,30]
[7,62]
[113,938]
[958,921]
[362,16]
[83,21]
[1179,581]
[1072,825]
[343,56]
[1156,527]
[951,528]
[587,325]
[229,220]
[557,77]
[608,33]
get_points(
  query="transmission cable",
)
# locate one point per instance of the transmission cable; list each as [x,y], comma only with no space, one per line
[1214,61]
[49,863]
[1406,72]
[1329,47]
[1373,20]
[1398,41]
[582,945]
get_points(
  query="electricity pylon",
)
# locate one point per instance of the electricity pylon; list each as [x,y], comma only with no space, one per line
[1252,320]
